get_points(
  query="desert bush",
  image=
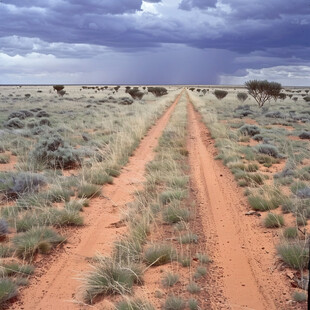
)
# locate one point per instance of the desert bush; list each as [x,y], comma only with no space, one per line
[135,93]
[77,205]
[8,290]
[173,214]
[299,296]
[220,94]
[37,239]
[170,195]
[273,220]
[157,91]
[52,151]
[87,190]
[305,135]
[250,130]
[58,194]
[170,279]
[11,269]
[109,278]
[295,255]
[5,251]
[307,98]
[4,158]
[201,271]
[58,87]
[274,114]
[22,114]
[263,91]
[14,123]
[188,237]
[174,303]
[203,258]
[193,288]
[134,304]
[268,149]
[42,113]
[242,96]
[290,233]
[282,96]
[193,304]
[98,177]
[159,254]
[125,101]
[259,203]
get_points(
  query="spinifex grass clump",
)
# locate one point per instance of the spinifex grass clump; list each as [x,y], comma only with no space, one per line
[268,149]
[295,255]
[175,213]
[174,303]
[40,239]
[159,254]
[8,290]
[134,304]
[273,220]
[170,279]
[87,190]
[249,130]
[110,277]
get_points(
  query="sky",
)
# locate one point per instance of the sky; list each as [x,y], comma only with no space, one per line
[154,41]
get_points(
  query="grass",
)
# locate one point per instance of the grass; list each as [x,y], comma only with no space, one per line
[170,195]
[295,255]
[290,233]
[193,288]
[203,258]
[159,254]
[193,304]
[36,240]
[170,279]
[5,251]
[87,190]
[135,304]
[174,214]
[188,237]
[299,296]
[8,290]
[273,220]
[259,203]
[4,159]
[201,271]
[109,277]
[11,269]
[174,303]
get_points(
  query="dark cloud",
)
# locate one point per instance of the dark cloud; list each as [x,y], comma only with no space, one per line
[188,5]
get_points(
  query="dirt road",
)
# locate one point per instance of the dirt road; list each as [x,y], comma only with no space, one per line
[57,286]
[242,274]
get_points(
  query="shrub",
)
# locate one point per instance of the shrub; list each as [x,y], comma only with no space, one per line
[136,304]
[174,303]
[174,214]
[58,194]
[5,251]
[259,203]
[157,91]
[58,87]
[299,296]
[250,130]
[52,151]
[125,101]
[109,278]
[268,149]
[188,238]
[220,94]
[295,255]
[263,91]
[242,96]
[135,93]
[159,254]
[99,177]
[88,190]
[170,195]
[22,114]
[201,271]
[14,123]
[4,159]
[11,269]
[170,279]
[290,233]
[273,220]
[307,98]
[40,239]
[305,135]
[8,290]
[274,114]
[193,288]
[203,258]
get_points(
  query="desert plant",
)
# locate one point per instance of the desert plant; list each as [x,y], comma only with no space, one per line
[290,233]
[134,304]
[170,195]
[188,237]
[263,91]
[295,255]
[170,279]
[4,227]
[135,93]
[201,271]
[87,190]
[220,94]
[305,135]
[11,269]
[8,290]
[193,304]
[5,251]
[193,288]
[157,91]
[174,303]
[58,87]
[268,149]
[14,123]
[242,96]
[273,220]
[299,296]
[37,239]
[159,254]
[109,277]
[203,258]
[173,214]
[250,130]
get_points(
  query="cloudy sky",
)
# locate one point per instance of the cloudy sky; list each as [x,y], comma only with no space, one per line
[154,41]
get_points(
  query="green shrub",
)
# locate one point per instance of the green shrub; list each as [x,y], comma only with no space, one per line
[157,91]
[201,271]
[203,258]
[136,304]
[295,255]
[58,194]
[268,149]
[299,296]
[5,251]
[40,239]
[242,96]
[249,130]
[170,279]
[168,196]
[87,190]
[159,254]
[4,159]
[174,303]
[290,233]
[220,94]
[193,304]
[259,203]
[11,269]
[174,214]
[193,288]
[8,290]
[189,237]
[273,220]
[109,278]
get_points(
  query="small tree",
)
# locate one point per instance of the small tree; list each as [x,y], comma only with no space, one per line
[263,91]
[242,97]
[220,94]
[58,87]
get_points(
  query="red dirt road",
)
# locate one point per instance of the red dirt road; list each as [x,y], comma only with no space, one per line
[243,275]
[57,287]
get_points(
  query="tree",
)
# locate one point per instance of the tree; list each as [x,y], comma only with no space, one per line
[263,91]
